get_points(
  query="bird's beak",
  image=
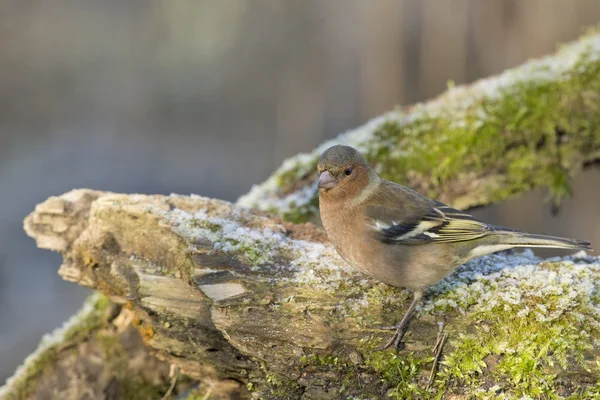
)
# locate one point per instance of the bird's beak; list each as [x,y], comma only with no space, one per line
[326,181]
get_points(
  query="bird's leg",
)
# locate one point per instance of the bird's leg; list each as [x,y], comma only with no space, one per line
[397,336]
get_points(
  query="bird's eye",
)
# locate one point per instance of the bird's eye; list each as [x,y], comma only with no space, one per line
[348,171]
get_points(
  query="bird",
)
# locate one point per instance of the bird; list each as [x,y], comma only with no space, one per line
[401,237]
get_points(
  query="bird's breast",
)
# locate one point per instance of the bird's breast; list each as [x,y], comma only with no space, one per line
[347,232]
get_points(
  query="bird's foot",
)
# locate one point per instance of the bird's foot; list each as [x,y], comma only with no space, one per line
[400,326]
[396,338]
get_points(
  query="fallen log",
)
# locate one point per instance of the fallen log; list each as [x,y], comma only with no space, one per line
[240,300]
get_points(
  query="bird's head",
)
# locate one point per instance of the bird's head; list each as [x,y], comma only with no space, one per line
[343,172]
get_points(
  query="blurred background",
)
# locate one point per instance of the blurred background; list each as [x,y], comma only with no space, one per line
[209,97]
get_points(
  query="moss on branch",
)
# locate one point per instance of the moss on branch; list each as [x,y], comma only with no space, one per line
[95,353]
[533,126]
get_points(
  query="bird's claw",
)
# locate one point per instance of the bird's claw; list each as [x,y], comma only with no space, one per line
[395,340]
[399,328]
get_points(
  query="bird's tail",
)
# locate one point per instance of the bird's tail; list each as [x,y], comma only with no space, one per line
[521,239]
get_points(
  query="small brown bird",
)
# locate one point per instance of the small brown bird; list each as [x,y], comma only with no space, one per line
[401,237]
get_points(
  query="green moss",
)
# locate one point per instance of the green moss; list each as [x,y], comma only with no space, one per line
[535,135]
[403,372]
[302,171]
[26,384]
[132,385]
[588,393]
[197,394]
[277,386]
[94,320]
[340,365]
[401,375]
[320,360]
[204,224]
[35,368]
[532,132]
[367,306]
[256,253]
[525,337]
[538,321]
[528,353]
[302,213]
[88,328]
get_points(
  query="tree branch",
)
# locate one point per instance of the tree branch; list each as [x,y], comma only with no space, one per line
[532,126]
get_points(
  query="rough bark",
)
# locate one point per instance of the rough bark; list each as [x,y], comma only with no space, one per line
[237,299]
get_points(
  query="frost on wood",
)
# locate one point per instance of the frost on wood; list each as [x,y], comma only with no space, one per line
[232,295]
[534,125]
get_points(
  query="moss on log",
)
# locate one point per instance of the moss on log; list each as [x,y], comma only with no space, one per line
[532,126]
[97,354]
[231,295]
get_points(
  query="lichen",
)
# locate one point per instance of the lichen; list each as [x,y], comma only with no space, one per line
[266,247]
[531,126]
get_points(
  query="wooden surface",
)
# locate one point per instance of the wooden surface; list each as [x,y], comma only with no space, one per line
[237,299]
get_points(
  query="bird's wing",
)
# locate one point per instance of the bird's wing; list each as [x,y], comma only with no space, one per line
[429,222]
